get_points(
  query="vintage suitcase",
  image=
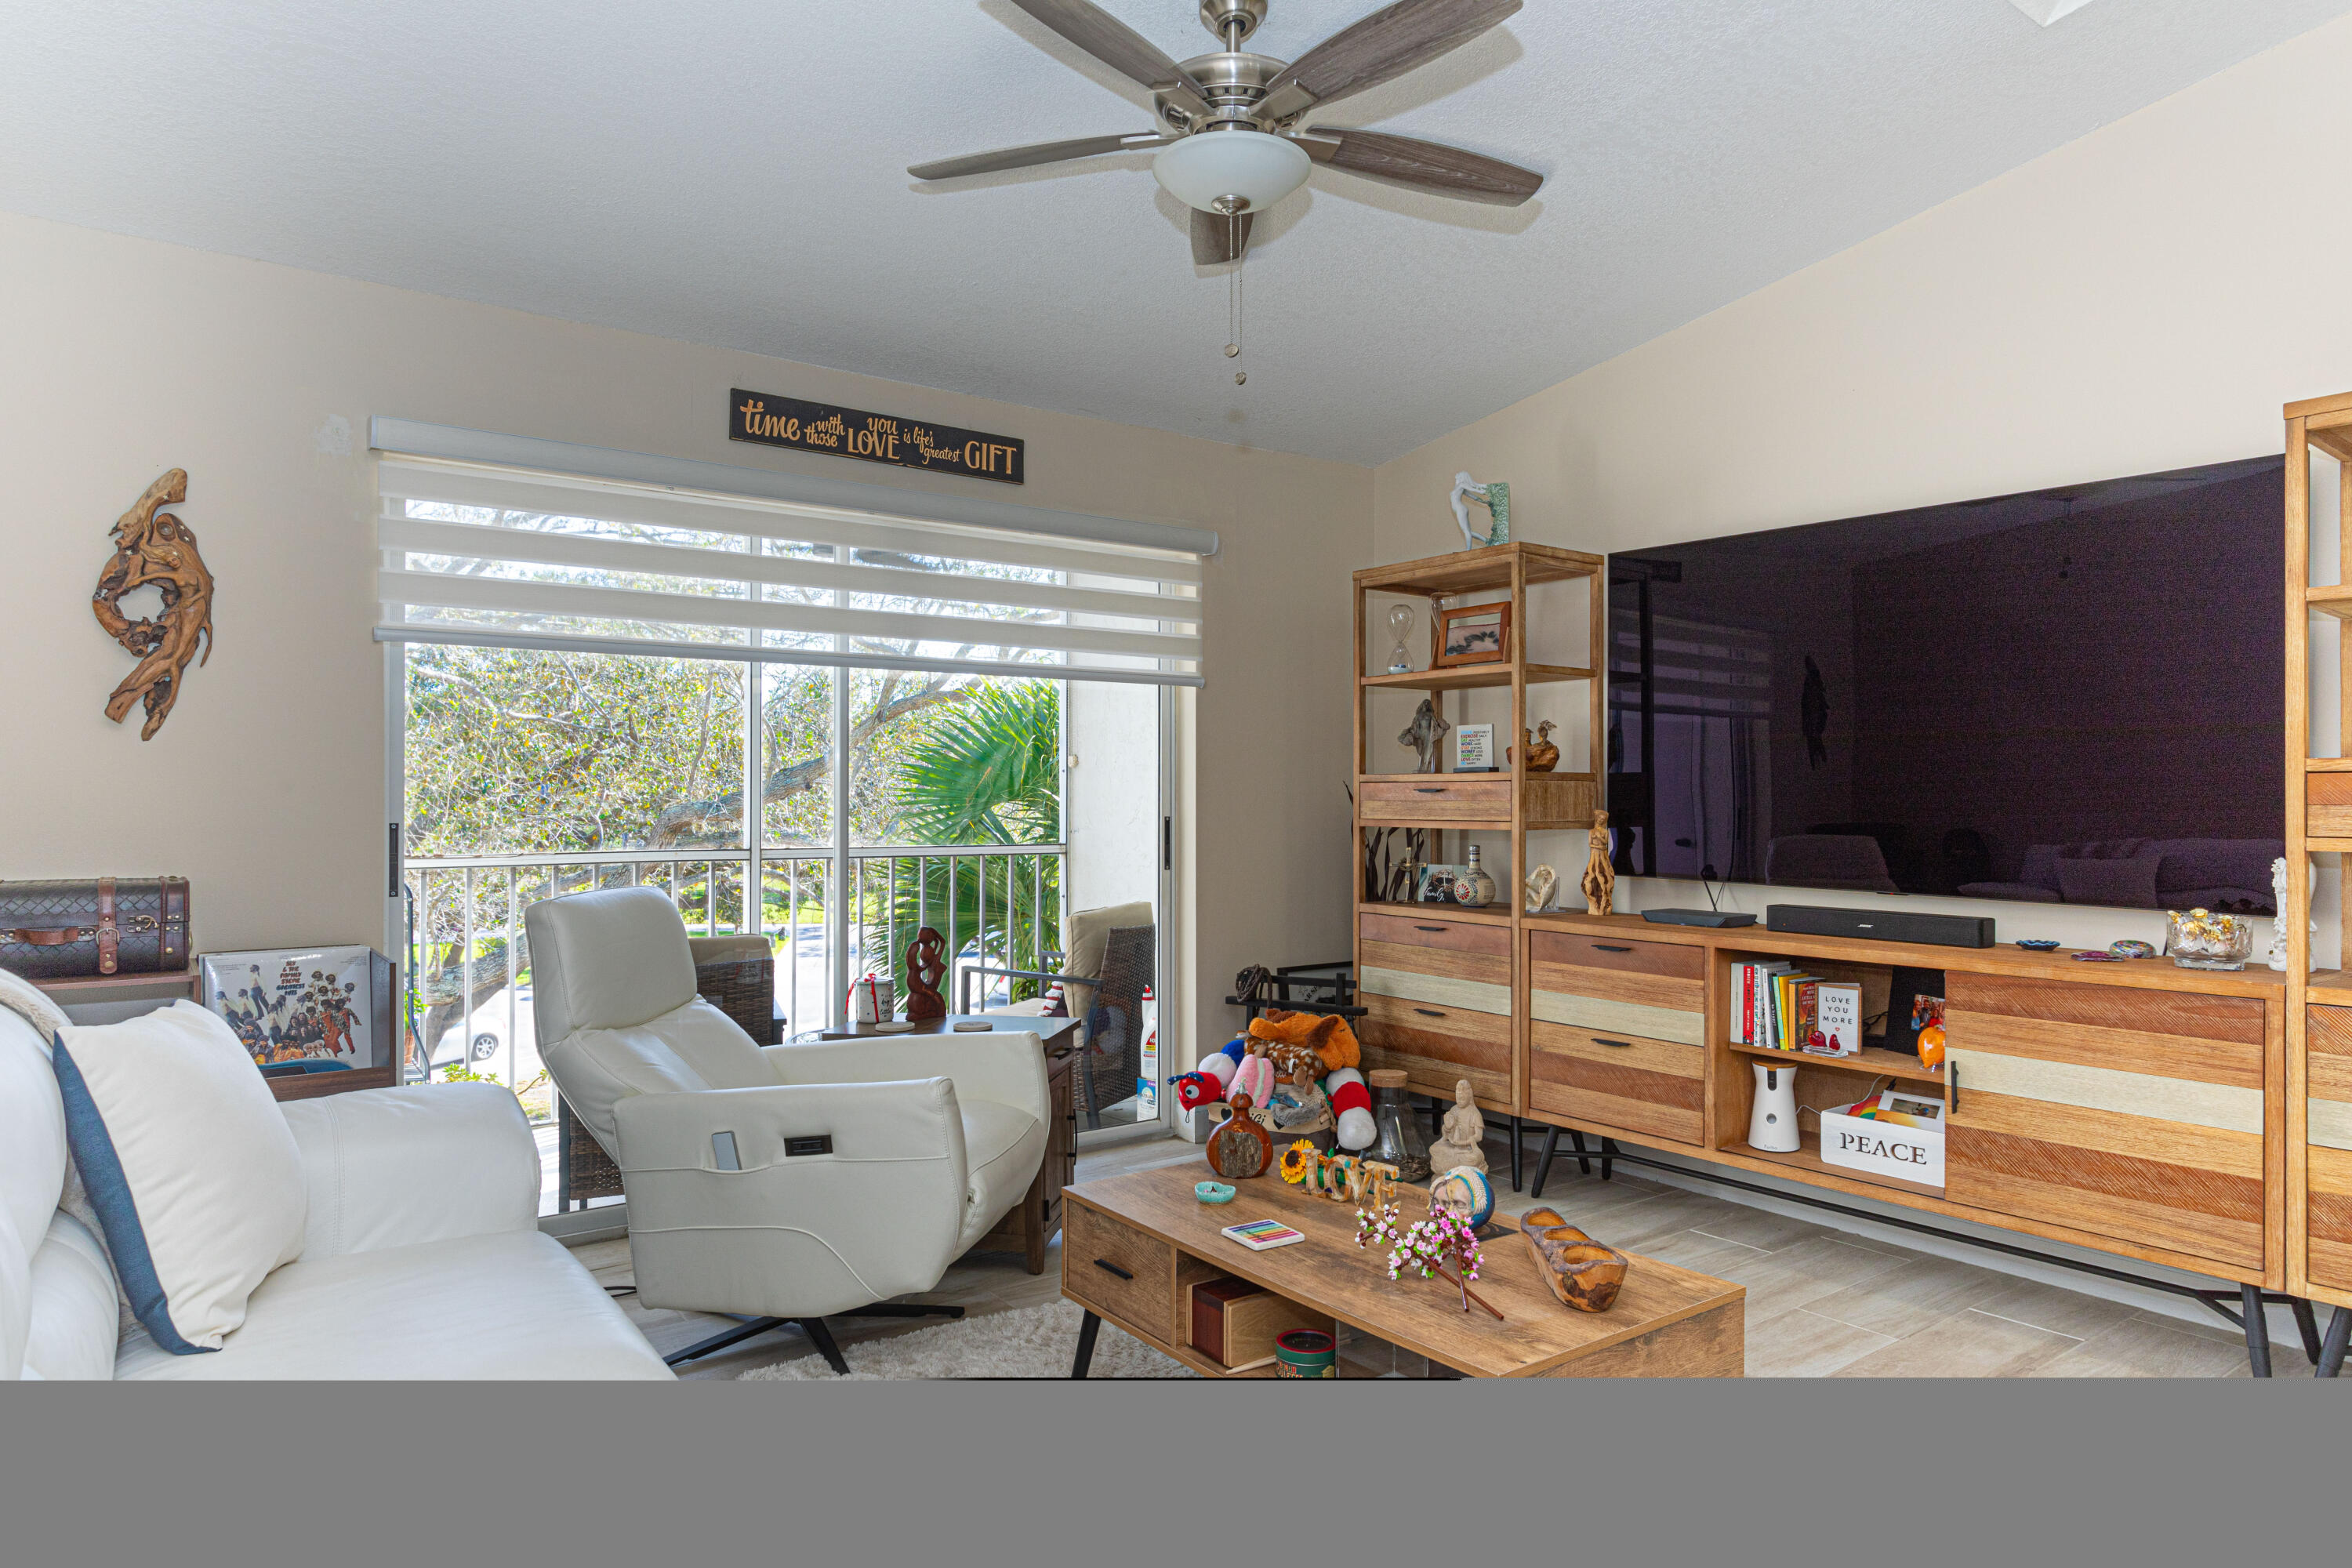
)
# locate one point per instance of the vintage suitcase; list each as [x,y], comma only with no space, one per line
[109,925]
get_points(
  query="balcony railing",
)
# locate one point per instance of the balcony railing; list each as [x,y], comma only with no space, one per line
[469,963]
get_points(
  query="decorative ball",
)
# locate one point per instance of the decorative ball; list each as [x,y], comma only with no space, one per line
[1931,1044]
[1466,1192]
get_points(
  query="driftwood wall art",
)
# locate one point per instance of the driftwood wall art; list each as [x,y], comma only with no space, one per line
[154,549]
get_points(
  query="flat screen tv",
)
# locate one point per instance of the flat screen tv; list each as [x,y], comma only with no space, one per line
[2071,696]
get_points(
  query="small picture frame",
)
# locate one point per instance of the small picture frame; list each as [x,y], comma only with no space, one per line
[1474,748]
[314,1020]
[1435,884]
[1472,634]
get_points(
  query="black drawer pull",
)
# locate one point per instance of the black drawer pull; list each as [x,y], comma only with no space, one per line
[1429,789]
[1429,1012]
[1952,1076]
[1621,1044]
[1440,930]
[1105,1263]
[1605,947]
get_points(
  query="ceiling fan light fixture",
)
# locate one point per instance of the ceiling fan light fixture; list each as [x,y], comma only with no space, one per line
[1247,171]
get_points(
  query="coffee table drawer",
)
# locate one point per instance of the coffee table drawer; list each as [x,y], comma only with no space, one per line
[1128,1273]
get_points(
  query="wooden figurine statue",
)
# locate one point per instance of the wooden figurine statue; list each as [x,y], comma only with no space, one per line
[154,549]
[1425,735]
[1465,1135]
[1239,1147]
[1600,876]
[1542,754]
[927,964]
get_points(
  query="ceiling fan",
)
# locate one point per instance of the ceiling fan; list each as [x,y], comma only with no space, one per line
[1231,144]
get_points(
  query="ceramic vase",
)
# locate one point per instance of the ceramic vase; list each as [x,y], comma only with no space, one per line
[1476,887]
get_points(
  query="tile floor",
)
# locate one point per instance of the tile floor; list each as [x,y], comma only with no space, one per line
[1821,1302]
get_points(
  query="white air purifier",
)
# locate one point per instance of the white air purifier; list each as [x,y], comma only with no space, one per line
[1772,1125]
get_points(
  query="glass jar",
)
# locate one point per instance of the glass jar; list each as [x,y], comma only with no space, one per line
[1398,1139]
[2203,939]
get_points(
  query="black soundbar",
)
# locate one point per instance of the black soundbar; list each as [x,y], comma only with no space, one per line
[1880,925]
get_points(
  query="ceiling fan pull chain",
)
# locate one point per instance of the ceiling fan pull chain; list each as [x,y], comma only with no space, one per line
[1234,318]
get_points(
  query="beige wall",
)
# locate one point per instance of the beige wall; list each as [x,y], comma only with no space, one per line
[2143,299]
[127,357]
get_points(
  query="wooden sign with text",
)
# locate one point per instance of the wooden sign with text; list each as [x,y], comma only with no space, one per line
[874,438]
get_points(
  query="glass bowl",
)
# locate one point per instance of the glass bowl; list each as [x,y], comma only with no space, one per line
[2203,939]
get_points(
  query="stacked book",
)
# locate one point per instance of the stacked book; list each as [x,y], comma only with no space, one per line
[1775,1007]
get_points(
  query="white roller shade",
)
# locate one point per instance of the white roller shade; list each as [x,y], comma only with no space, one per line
[482,553]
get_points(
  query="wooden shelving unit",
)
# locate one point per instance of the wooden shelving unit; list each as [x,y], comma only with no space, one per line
[1809,1159]
[1471,678]
[97,987]
[1874,1061]
[1490,916]
[1560,801]
[2318,822]
[2134,1108]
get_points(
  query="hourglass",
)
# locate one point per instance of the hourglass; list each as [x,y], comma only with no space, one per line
[1400,626]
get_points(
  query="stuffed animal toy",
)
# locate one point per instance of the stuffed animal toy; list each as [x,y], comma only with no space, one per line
[1254,1078]
[1343,1086]
[1351,1102]
[1205,1084]
[1327,1035]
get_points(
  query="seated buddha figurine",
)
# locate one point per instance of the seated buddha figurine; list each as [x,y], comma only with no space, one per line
[1465,1135]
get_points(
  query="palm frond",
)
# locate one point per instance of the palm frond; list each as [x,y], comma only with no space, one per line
[988,772]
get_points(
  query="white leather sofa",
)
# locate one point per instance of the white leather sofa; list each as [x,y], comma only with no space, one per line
[423,1256]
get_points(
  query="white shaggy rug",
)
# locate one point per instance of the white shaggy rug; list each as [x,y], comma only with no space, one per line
[1027,1342]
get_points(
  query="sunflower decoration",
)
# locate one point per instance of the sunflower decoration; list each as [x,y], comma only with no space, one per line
[1296,1161]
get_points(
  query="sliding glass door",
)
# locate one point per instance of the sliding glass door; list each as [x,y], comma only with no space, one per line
[832,812]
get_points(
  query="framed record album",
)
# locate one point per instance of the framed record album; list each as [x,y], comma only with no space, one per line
[305,1013]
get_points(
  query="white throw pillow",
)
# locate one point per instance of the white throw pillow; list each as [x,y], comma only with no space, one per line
[190,1166]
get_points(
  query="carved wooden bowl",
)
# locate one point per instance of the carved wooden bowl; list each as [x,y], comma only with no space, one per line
[1579,1271]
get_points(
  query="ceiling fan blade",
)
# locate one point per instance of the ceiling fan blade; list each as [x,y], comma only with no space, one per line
[1425,165]
[1385,45]
[1037,153]
[1113,42]
[1217,239]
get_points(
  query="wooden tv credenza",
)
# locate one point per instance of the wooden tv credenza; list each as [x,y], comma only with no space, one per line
[2136,1109]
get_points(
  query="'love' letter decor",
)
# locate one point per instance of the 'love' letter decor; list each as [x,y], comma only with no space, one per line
[153,548]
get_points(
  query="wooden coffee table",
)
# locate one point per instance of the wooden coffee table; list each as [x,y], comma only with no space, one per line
[1133,1247]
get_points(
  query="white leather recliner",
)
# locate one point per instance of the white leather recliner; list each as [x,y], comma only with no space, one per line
[791,1182]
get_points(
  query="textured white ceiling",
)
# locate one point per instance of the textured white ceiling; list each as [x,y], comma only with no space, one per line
[732,173]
